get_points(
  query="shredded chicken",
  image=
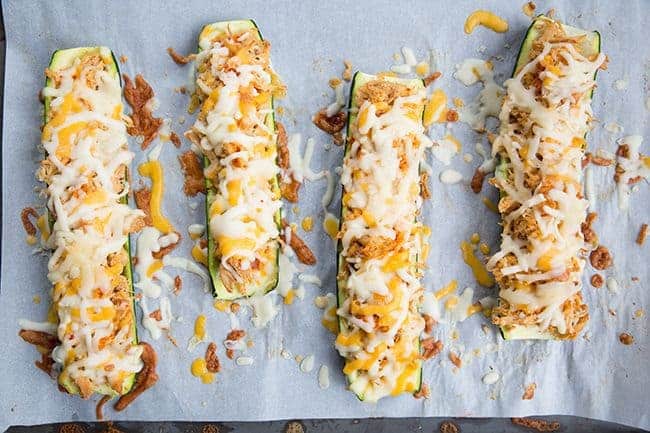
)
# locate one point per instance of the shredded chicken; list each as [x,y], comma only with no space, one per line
[289,190]
[194,182]
[211,359]
[303,252]
[139,96]
[430,348]
[143,202]
[178,284]
[477,180]
[175,139]
[167,249]
[99,409]
[643,232]
[179,59]
[29,227]
[377,91]
[431,78]
[455,359]
[39,338]
[330,124]
[425,192]
[144,380]
[529,392]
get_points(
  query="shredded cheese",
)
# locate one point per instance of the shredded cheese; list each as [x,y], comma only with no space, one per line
[85,171]
[539,266]
[381,198]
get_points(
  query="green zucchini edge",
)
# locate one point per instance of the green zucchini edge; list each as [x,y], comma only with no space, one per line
[531,332]
[69,55]
[360,78]
[218,288]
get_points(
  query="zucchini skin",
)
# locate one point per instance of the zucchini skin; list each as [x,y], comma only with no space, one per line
[525,332]
[219,290]
[67,383]
[340,295]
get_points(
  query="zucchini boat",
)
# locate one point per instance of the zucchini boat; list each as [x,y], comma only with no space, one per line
[544,121]
[235,85]
[85,170]
[382,246]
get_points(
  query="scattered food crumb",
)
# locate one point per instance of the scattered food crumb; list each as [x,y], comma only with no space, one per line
[323,377]
[178,58]
[347,73]
[29,227]
[139,95]
[175,139]
[208,428]
[429,323]
[450,176]
[600,258]
[236,335]
[537,424]
[449,427]
[626,338]
[491,378]
[211,359]
[422,69]
[431,78]
[431,348]
[334,81]
[123,59]
[643,232]
[193,182]
[330,124]
[529,9]
[244,360]
[486,19]
[612,285]
[307,364]
[529,393]
[613,128]
[294,427]
[455,359]
[597,281]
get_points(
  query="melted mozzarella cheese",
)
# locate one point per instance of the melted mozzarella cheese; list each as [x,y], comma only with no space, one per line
[381,197]
[240,145]
[85,173]
[543,182]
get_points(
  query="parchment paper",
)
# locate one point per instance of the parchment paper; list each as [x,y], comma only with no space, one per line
[595,376]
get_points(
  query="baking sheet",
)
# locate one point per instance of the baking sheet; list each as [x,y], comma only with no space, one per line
[594,377]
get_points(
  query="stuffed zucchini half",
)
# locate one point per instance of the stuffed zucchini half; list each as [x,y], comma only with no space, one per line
[85,170]
[235,85]
[541,142]
[382,246]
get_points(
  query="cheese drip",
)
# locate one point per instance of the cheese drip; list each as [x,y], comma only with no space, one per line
[544,118]
[85,172]
[382,243]
[236,84]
